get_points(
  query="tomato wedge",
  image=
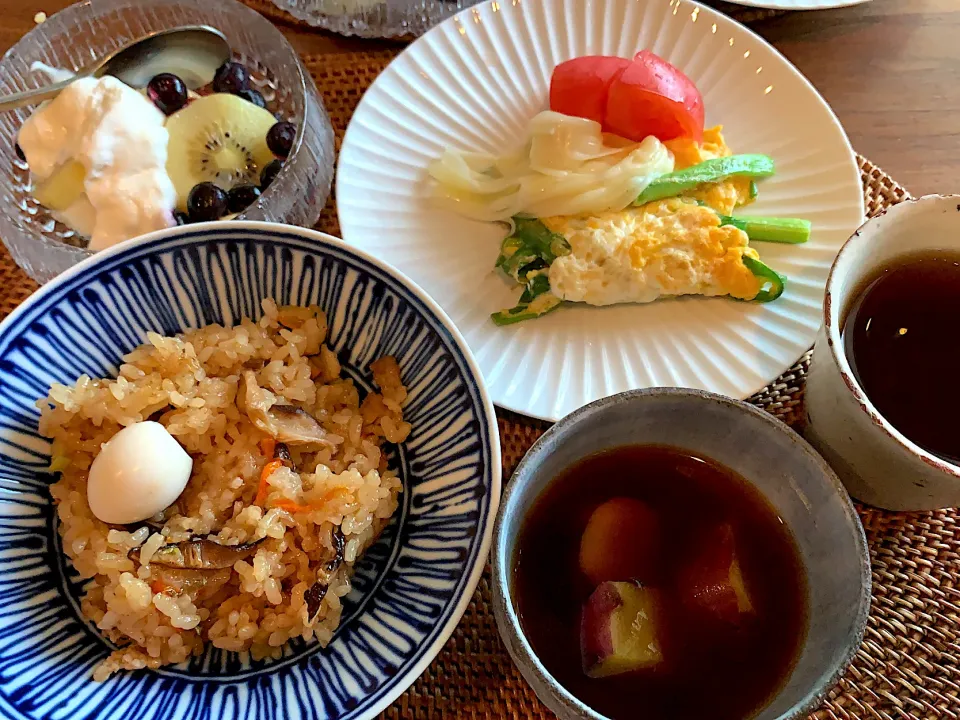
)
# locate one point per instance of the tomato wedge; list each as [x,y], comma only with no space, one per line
[579,86]
[652,97]
[631,98]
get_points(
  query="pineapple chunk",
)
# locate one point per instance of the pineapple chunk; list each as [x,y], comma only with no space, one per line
[62,188]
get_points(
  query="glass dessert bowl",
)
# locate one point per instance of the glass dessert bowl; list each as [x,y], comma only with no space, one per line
[78,36]
[374,18]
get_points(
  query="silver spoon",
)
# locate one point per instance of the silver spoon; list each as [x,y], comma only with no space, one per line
[192,52]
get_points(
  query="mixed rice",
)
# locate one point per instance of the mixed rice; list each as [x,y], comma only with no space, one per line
[289,472]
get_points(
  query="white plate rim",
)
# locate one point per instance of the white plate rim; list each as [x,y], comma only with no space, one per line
[798,4]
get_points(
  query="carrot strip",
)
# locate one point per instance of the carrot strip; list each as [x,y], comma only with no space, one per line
[267,446]
[268,470]
[292,507]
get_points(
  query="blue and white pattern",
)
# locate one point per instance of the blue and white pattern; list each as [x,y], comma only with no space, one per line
[411,588]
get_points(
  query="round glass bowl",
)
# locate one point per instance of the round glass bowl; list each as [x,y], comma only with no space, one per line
[76,37]
[374,18]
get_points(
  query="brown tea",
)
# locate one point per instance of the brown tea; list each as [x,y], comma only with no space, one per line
[659,585]
[902,339]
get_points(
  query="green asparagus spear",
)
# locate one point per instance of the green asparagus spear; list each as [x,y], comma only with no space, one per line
[792,231]
[709,171]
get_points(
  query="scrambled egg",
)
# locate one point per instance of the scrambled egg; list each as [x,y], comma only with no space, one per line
[723,196]
[667,247]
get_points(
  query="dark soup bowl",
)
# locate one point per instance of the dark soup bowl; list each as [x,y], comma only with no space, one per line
[671,553]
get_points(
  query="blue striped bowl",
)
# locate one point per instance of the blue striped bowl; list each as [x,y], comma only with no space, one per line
[411,587]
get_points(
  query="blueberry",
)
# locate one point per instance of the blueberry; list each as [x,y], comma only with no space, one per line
[167,92]
[269,173]
[253,96]
[19,150]
[241,197]
[206,202]
[280,138]
[231,77]
[180,217]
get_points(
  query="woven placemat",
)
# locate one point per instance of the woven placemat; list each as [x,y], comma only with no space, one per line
[740,13]
[909,664]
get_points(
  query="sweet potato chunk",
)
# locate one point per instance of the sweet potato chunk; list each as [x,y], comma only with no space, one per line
[713,581]
[618,630]
[621,542]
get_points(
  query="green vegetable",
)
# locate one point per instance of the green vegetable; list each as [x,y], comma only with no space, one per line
[709,171]
[514,257]
[522,312]
[58,463]
[769,277]
[531,244]
[525,256]
[754,190]
[792,231]
[535,301]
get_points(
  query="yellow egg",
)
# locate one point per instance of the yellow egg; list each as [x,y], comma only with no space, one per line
[664,248]
[668,247]
[724,196]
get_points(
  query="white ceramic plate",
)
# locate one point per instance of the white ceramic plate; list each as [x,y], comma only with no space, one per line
[474,81]
[798,4]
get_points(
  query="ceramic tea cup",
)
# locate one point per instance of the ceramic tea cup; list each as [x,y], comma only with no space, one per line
[878,464]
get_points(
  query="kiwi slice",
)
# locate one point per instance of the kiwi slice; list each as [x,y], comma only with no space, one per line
[217,138]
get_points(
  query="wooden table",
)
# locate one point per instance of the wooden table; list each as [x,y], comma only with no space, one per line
[890,68]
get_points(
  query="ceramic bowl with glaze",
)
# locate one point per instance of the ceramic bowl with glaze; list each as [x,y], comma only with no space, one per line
[796,481]
[411,586]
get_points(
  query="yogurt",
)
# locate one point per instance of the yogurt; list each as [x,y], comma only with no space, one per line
[119,137]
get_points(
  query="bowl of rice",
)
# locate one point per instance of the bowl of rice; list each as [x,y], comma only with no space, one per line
[247,471]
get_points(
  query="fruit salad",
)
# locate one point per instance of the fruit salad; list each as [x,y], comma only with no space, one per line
[112,162]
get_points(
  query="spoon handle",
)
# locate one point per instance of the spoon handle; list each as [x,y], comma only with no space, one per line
[32,97]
